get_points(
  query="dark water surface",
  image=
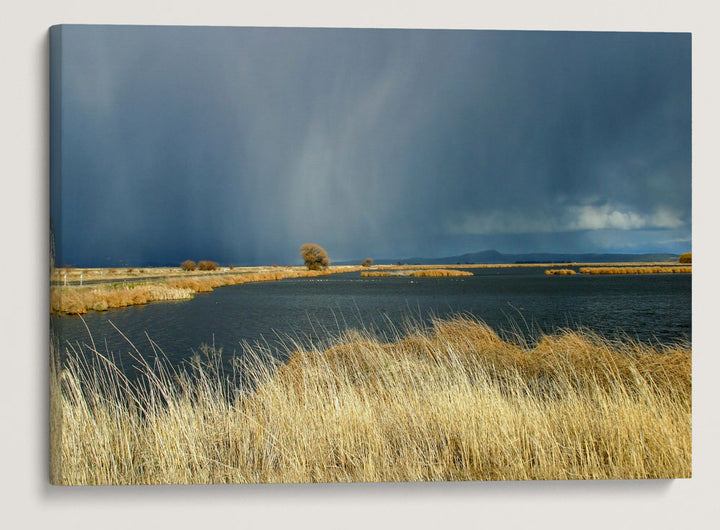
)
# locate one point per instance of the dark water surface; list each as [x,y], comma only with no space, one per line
[650,307]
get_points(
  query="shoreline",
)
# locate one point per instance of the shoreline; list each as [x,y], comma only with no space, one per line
[75,291]
[75,299]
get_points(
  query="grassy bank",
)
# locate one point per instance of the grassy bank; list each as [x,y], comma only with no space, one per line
[450,402]
[81,299]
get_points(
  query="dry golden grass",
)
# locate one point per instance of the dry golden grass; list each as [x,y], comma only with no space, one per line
[72,275]
[437,273]
[451,402]
[423,273]
[666,269]
[100,297]
[405,267]
[560,272]
[78,300]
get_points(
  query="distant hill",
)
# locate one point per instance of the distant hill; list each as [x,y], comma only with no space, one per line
[495,257]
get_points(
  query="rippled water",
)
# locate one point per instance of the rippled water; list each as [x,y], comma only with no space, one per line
[653,307]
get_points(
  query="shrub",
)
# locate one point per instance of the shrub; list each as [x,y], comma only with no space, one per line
[206,265]
[367,262]
[188,265]
[314,256]
[685,258]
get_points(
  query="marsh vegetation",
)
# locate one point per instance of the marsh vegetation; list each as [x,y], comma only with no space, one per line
[423,273]
[666,269]
[448,401]
[560,272]
[75,299]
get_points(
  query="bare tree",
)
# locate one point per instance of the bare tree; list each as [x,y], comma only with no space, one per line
[314,256]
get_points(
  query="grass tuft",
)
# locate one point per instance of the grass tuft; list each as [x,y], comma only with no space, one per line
[452,401]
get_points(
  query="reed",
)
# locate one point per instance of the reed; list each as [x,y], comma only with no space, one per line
[451,401]
[79,300]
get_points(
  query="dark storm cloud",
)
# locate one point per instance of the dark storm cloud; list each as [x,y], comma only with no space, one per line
[240,144]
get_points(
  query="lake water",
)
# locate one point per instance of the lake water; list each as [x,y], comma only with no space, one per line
[651,307]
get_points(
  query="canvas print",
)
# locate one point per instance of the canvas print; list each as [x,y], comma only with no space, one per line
[292,255]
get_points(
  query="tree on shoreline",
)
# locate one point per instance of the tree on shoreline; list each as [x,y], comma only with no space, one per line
[207,265]
[314,256]
[188,265]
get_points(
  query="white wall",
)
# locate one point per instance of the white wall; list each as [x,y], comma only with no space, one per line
[27,500]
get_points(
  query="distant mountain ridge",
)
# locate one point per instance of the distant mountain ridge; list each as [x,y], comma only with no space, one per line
[495,257]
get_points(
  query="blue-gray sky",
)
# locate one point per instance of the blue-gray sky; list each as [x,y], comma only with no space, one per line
[241,144]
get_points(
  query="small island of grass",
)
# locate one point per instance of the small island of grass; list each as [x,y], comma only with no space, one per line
[423,273]
[559,272]
[661,269]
